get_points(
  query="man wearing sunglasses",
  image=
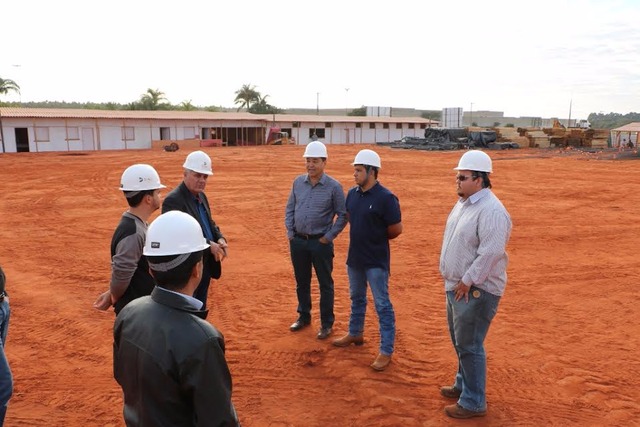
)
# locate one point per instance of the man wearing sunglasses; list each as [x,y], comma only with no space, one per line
[473,263]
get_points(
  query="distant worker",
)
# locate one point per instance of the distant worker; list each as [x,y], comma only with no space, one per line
[189,197]
[374,218]
[168,360]
[6,379]
[473,263]
[314,216]
[130,278]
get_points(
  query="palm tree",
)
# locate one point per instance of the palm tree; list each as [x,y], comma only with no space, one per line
[6,86]
[246,96]
[187,106]
[150,100]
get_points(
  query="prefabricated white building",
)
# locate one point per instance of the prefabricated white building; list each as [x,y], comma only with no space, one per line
[38,130]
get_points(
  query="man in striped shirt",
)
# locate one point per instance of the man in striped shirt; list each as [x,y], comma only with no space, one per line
[314,216]
[473,263]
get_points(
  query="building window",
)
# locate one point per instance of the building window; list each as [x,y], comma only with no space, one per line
[73,133]
[190,132]
[385,126]
[327,125]
[42,134]
[128,133]
[358,125]
[423,126]
[372,125]
[411,125]
[398,125]
[319,132]
[295,124]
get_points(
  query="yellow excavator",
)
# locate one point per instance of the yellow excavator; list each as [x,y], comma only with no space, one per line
[277,137]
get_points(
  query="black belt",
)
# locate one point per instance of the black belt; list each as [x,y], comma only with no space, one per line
[308,236]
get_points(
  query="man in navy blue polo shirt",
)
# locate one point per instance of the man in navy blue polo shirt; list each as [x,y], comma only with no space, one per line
[374,218]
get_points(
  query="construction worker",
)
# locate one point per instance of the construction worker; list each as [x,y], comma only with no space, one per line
[473,264]
[130,278]
[168,360]
[374,218]
[314,216]
[189,197]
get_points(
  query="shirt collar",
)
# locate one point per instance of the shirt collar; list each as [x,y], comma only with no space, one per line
[193,302]
[478,195]
[322,180]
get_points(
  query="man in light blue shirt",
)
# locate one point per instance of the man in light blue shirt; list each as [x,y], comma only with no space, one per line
[473,263]
[314,216]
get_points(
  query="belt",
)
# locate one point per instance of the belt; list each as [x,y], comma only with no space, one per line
[308,236]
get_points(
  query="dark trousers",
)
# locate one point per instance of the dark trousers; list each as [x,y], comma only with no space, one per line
[304,255]
[203,288]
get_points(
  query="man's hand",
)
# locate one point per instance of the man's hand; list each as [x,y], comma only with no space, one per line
[103,302]
[461,290]
[219,250]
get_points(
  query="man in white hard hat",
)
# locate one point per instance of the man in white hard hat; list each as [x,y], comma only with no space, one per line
[473,263]
[374,218]
[168,360]
[314,216]
[189,197]
[130,278]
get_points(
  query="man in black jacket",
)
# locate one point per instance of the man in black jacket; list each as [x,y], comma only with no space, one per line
[189,197]
[168,360]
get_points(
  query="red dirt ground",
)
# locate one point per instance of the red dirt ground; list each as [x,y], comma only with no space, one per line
[563,349]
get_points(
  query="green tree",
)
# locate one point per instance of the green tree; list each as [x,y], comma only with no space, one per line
[6,86]
[360,112]
[246,96]
[187,106]
[151,100]
[261,106]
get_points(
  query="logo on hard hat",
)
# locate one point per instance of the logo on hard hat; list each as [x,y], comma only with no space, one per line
[155,245]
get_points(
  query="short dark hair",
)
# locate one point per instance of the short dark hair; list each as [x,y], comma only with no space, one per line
[176,278]
[486,182]
[136,196]
[3,280]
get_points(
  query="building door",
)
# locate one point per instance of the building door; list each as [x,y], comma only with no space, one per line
[87,139]
[22,140]
[165,134]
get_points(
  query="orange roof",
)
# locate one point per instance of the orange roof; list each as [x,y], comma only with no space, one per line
[65,113]
[631,127]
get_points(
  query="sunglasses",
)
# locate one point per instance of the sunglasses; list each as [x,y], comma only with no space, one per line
[463,178]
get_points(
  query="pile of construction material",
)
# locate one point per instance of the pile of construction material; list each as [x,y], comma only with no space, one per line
[537,137]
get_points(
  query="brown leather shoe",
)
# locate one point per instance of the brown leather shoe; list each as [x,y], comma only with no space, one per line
[347,340]
[381,362]
[457,411]
[450,392]
[323,333]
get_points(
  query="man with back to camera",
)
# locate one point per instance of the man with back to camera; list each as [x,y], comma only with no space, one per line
[375,218]
[316,199]
[130,278]
[473,263]
[189,197]
[168,360]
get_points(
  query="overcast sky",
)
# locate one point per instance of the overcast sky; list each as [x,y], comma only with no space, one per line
[525,58]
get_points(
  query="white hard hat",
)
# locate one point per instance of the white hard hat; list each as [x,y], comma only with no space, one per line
[475,160]
[140,177]
[198,161]
[368,158]
[174,233]
[315,149]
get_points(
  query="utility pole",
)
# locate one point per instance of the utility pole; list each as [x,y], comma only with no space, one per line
[471,115]
[346,101]
[317,103]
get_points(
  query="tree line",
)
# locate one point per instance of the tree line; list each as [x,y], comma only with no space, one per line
[249,99]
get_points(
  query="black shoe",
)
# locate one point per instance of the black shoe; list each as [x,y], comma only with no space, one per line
[299,324]
[323,333]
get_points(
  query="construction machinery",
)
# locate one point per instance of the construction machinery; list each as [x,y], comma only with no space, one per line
[278,137]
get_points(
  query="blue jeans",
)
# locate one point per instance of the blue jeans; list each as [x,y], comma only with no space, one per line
[468,326]
[378,279]
[304,255]
[6,380]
